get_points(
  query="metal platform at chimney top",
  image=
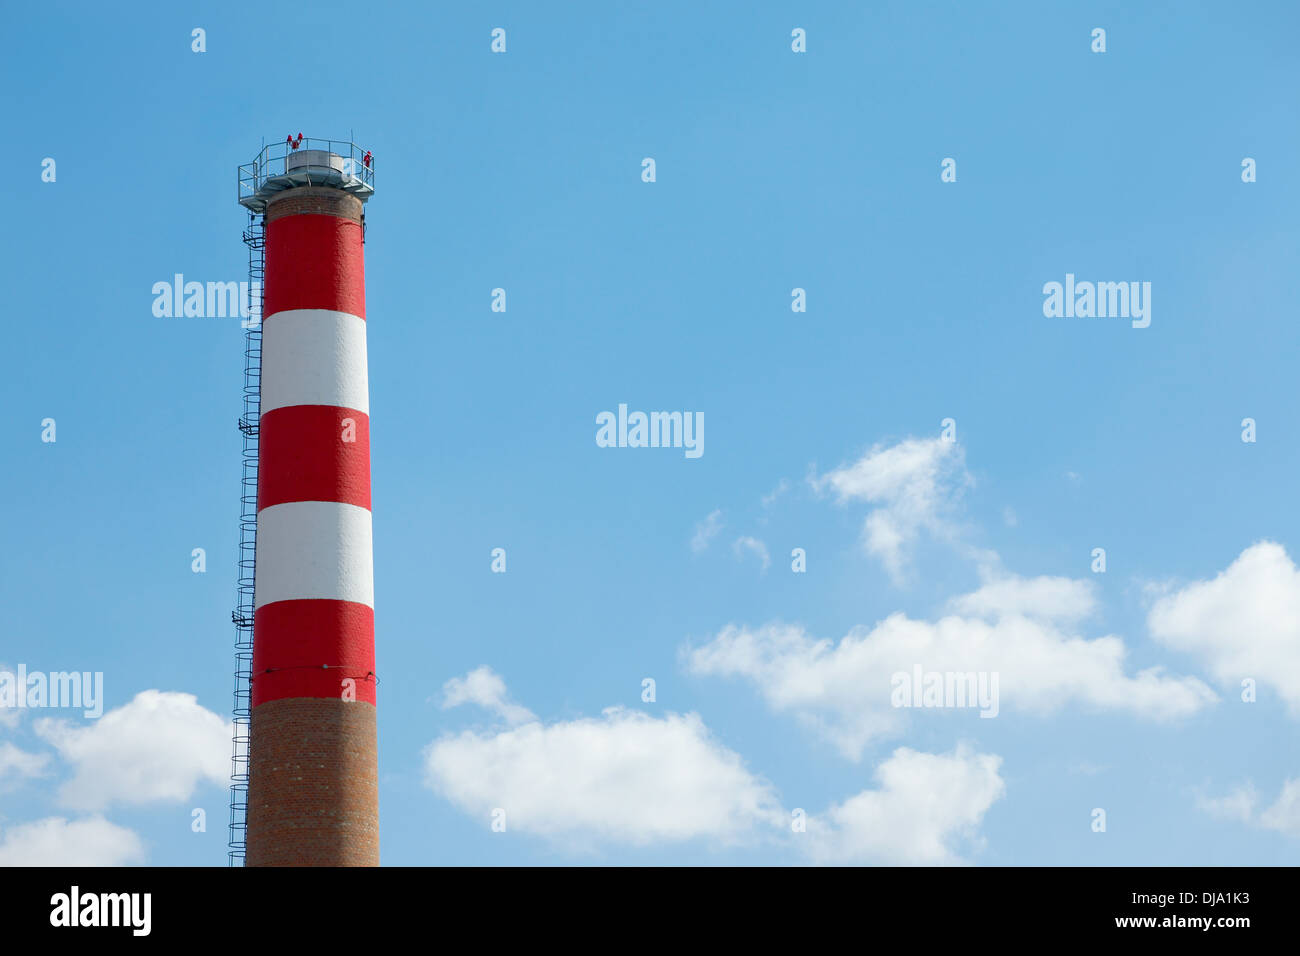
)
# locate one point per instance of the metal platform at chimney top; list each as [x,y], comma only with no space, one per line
[314,162]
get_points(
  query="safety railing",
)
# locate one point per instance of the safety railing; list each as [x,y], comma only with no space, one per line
[358,164]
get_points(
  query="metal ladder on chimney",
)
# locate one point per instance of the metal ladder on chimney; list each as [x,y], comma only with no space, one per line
[255,239]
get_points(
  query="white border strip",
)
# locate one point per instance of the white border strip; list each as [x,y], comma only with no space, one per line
[314,357]
[314,549]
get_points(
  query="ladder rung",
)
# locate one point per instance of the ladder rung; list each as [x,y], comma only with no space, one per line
[255,237]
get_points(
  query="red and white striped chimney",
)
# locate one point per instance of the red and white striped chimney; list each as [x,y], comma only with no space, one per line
[313,774]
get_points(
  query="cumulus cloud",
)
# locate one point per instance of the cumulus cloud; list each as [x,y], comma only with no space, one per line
[1239,804]
[629,778]
[843,690]
[161,746]
[18,765]
[1043,598]
[1245,623]
[924,807]
[706,531]
[1284,814]
[911,484]
[485,688]
[56,841]
[753,546]
[1243,805]
[624,777]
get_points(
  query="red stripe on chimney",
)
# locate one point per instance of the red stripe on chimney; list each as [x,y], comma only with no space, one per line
[294,640]
[304,456]
[314,262]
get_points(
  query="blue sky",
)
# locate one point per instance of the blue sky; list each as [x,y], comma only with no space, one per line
[775,170]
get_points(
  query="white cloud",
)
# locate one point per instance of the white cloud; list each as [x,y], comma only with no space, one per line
[484,687]
[1244,623]
[1284,815]
[781,488]
[630,778]
[1042,598]
[706,530]
[1087,768]
[18,765]
[912,484]
[843,690]
[924,805]
[160,746]
[55,841]
[625,777]
[1236,805]
[754,546]
[1242,804]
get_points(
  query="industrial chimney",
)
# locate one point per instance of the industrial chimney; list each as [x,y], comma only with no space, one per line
[312,771]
